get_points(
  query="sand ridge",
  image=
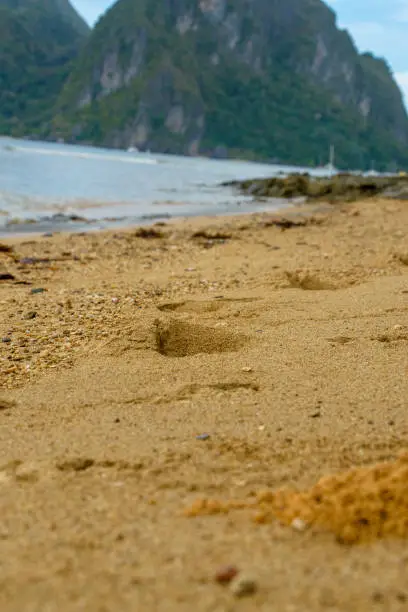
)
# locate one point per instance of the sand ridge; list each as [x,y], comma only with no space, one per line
[204,359]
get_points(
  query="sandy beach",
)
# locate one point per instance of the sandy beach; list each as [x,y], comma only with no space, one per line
[172,397]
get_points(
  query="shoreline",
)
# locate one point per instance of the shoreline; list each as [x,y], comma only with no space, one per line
[151,373]
[290,209]
[30,227]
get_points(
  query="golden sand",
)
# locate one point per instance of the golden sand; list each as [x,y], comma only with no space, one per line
[207,359]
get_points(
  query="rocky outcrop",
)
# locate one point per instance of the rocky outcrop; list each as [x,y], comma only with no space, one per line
[341,187]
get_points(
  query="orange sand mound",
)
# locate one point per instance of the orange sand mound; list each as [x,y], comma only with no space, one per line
[358,505]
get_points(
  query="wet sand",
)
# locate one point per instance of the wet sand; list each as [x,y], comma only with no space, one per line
[166,384]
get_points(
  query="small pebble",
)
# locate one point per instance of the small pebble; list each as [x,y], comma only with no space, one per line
[6,340]
[247,369]
[38,290]
[204,436]
[299,525]
[28,260]
[225,574]
[115,300]
[243,586]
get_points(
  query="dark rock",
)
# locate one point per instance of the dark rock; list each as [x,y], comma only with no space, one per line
[38,290]
[6,340]
[6,276]
[148,232]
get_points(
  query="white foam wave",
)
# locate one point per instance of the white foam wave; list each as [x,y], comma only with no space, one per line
[83,155]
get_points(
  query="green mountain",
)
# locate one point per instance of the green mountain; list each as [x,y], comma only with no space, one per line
[253,78]
[249,78]
[39,39]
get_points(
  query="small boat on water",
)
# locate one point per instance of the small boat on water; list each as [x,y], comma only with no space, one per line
[330,168]
[133,150]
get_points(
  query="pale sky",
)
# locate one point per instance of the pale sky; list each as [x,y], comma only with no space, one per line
[379,26]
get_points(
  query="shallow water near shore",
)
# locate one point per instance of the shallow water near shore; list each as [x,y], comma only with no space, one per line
[49,186]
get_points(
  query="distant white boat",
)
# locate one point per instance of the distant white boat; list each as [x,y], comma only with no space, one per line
[133,150]
[330,167]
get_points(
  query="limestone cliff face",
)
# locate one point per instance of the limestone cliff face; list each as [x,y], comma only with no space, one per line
[271,78]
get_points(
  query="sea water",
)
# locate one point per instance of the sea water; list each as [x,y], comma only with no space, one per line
[47,186]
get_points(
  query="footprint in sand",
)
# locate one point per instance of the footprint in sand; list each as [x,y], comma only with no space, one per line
[175,338]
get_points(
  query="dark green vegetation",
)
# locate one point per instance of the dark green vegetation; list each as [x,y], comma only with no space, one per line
[39,39]
[261,79]
[341,187]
